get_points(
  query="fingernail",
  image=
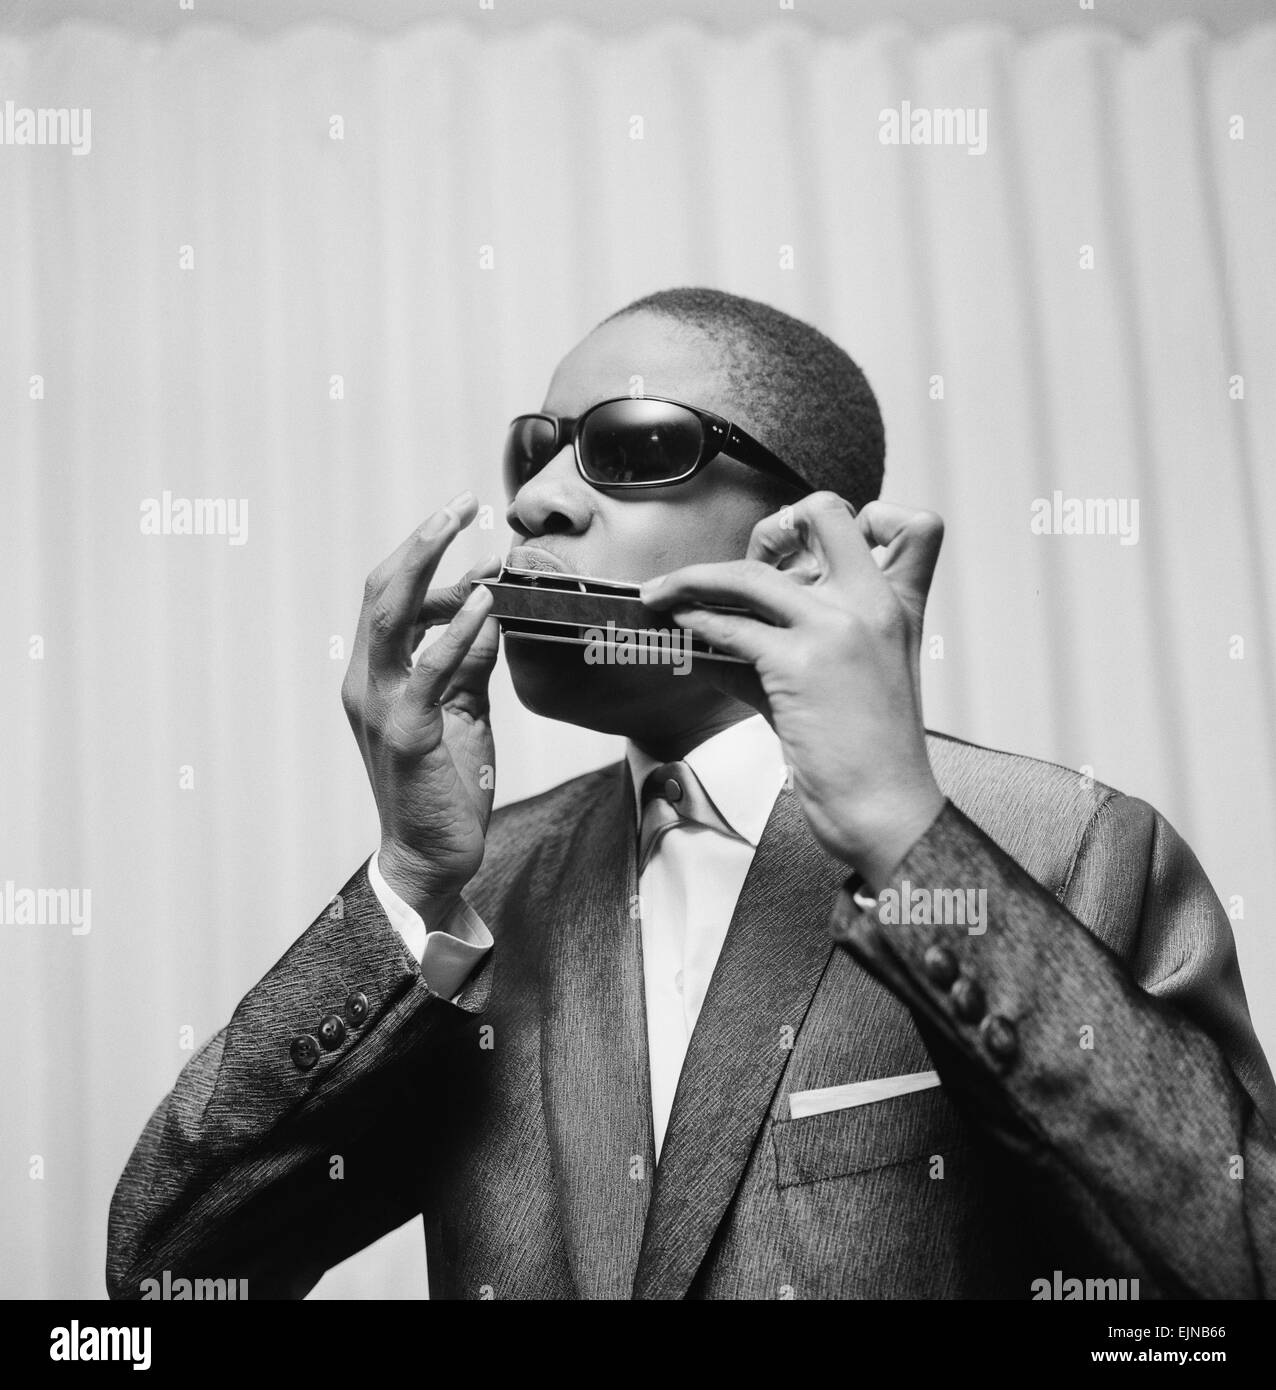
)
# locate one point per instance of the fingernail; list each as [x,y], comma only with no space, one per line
[437,524]
[462,499]
[478,596]
[648,585]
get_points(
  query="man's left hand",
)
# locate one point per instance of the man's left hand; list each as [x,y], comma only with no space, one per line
[833,631]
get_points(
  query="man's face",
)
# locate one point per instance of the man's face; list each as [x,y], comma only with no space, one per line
[634,535]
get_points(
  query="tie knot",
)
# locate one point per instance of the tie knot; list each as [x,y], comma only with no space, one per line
[672,795]
[668,782]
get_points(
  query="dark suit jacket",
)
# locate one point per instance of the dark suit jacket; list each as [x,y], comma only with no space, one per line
[518,1120]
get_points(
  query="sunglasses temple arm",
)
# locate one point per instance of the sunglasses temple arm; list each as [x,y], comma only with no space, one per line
[749,451]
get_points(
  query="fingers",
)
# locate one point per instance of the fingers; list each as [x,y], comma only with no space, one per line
[809,540]
[912,540]
[390,613]
[440,661]
[440,605]
[467,689]
[736,634]
[775,538]
[749,584]
[388,567]
[822,537]
[881,522]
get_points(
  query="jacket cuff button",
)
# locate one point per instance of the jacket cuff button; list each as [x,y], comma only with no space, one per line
[968,999]
[304,1051]
[940,966]
[332,1032]
[357,1008]
[1000,1038]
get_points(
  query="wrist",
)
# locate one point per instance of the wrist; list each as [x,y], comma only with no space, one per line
[426,891]
[878,851]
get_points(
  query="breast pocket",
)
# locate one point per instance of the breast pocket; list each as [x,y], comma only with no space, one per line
[908,1128]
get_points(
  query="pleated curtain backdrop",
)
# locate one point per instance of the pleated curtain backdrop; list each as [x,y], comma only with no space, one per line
[223,299]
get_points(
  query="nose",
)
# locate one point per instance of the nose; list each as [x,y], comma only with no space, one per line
[555,501]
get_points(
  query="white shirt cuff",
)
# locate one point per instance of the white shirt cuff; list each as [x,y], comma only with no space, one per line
[447,952]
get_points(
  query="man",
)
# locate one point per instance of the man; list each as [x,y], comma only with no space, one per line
[797,1000]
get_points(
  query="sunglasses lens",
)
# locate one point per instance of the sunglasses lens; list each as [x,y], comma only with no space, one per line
[529,446]
[637,441]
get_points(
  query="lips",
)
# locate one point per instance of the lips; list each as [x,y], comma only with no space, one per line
[532,557]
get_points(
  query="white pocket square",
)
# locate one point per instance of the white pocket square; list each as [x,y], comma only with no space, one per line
[803,1103]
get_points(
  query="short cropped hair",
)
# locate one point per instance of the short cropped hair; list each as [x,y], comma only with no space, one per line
[812,405]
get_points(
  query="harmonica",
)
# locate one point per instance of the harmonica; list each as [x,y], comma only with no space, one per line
[587,612]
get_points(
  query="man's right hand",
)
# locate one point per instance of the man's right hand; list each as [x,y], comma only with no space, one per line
[423,730]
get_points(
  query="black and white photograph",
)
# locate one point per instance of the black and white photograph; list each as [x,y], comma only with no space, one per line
[638,662]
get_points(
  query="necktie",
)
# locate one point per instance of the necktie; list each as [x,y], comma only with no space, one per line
[673,795]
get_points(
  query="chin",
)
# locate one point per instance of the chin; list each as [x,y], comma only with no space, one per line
[552,679]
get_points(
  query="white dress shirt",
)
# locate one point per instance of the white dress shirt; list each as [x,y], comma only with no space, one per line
[687,895]
[447,954]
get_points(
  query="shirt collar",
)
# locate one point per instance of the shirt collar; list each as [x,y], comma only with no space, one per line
[742,768]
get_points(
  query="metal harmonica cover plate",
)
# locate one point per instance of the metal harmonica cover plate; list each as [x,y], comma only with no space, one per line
[559,607]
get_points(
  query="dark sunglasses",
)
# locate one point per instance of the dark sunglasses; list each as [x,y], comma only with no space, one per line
[636,441]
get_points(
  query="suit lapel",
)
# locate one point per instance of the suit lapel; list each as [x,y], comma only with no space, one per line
[775,952]
[594,1069]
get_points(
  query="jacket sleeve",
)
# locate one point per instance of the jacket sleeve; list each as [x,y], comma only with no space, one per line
[1125,1086]
[296,1135]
